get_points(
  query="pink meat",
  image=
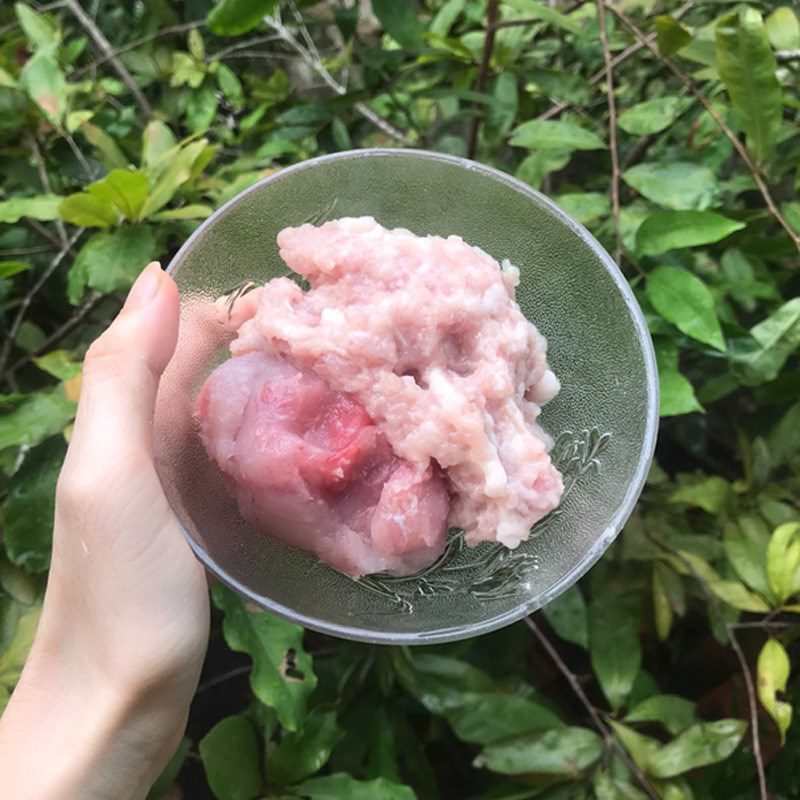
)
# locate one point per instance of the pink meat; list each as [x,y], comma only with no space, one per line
[308,466]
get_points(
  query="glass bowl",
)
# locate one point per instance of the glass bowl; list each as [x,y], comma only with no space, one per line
[604,420]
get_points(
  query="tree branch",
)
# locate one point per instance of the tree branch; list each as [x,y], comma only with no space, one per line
[44,179]
[105,46]
[730,629]
[721,124]
[482,78]
[28,299]
[608,737]
[612,132]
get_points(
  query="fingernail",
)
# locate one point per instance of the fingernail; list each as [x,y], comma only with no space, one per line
[145,288]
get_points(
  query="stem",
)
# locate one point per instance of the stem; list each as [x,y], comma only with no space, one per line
[44,179]
[482,78]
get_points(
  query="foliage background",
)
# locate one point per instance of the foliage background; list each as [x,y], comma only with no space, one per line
[668,671]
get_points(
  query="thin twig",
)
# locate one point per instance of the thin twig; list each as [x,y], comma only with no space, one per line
[608,737]
[482,78]
[787,55]
[105,46]
[612,132]
[241,46]
[721,124]
[44,179]
[40,229]
[28,299]
[730,629]
[126,48]
[379,122]
[226,676]
[78,153]
[25,251]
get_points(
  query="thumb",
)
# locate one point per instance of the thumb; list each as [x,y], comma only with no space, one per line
[122,369]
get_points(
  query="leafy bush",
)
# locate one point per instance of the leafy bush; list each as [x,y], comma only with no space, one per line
[672,133]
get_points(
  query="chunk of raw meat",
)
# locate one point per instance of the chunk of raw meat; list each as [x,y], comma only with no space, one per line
[308,466]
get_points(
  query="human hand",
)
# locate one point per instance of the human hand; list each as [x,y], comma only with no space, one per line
[107,686]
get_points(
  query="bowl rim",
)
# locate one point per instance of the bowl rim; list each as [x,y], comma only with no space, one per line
[603,542]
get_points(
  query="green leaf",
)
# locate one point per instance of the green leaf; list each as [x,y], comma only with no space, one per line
[37,417]
[399,19]
[59,364]
[43,81]
[559,85]
[783,29]
[670,35]
[440,682]
[202,108]
[232,17]
[170,773]
[675,713]
[231,759]
[230,85]
[674,184]
[566,752]
[703,744]
[585,206]
[10,268]
[304,752]
[157,141]
[558,135]
[282,676]
[662,607]
[38,30]
[639,746]
[670,230]
[484,718]
[198,211]
[87,211]
[676,392]
[712,494]
[108,150]
[778,336]
[614,644]
[745,544]
[747,67]
[537,166]
[446,17]
[772,676]
[124,189]
[653,116]
[568,617]
[13,655]
[42,207]
[685,301]
[178,171]
[344,787]
[28,509]
[538,10]
[784,438]
[783,561]
[111,261]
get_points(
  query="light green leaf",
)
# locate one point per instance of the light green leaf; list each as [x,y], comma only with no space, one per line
[712,494]
[108,150]
[501,115]
[783,561]
[566,752]
[110,261]
[674,184]
[653,116]
[558,135]
[676,392]
[197,211]
[202,108]
[230,85]
[783,29]
[560,85]
[568,617]
[28,508]
[232,17]
[640,747]
[43,207]
[662,608]
[399,18]
[675,713]
[87,211]
[446,16]
[778,336]
[538,10]
[585,206]
[304,752]
[745,544]
[157,141]
[178,171]
[12,657]
[614,644]
[670,230]
[537,166]
[671,35]
[124,189]
[38,416]
[440,682]
[10,268]
[685,301]
[343,787]
[747,67]
[702,744]
[483,718]
[59,364]
[282,676]
[38,30]
[230,757]
[772,677]
[43,81]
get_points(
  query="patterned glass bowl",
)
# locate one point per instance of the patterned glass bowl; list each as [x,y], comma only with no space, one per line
[604,420]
